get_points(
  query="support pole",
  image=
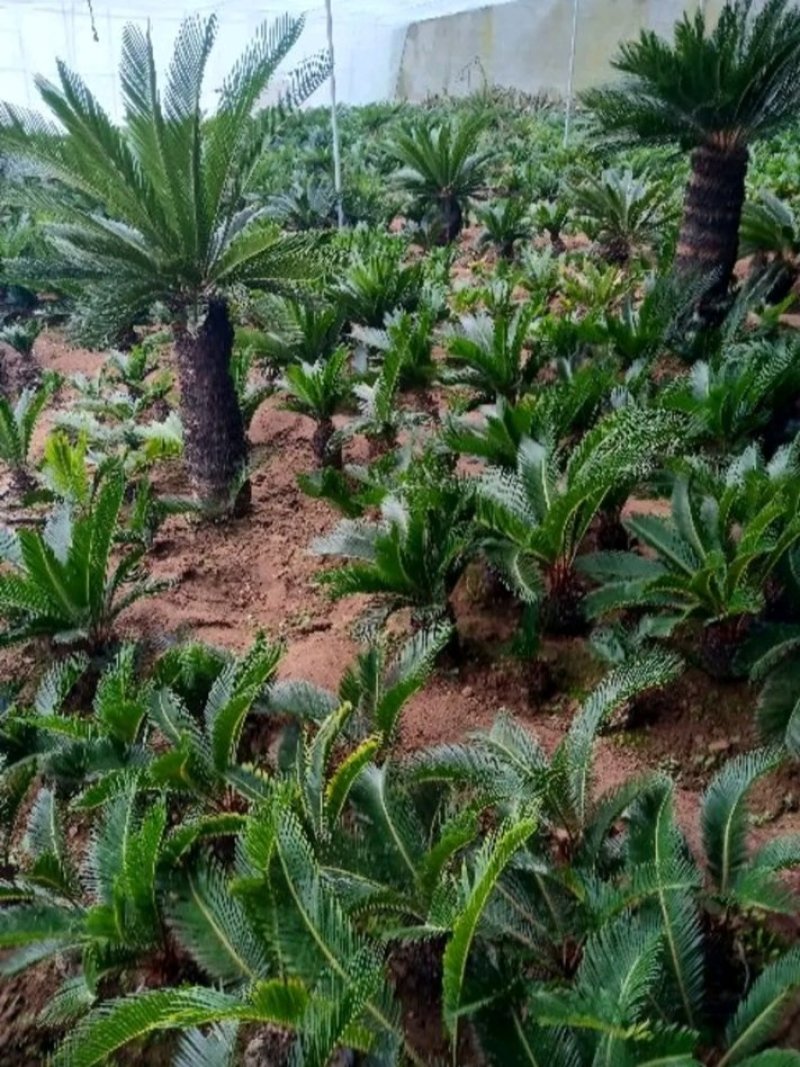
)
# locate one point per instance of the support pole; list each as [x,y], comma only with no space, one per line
[571,77]
[337,155]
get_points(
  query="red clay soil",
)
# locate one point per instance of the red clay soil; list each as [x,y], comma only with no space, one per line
[256,572]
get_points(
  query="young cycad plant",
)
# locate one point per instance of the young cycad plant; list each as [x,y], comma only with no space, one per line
[490,354]
[713,90]
[412,556]
[504,223]
[771,234]
[536,518]
[740,877]
[380,415]
[375,686]
[715,559]
[643,331]
[17,423]
[377,284]
[152,211]
[413,335]
[62,582]
[293,330]
[738,396]
[441,167]
[550,216]
[307,205]
[622,211]
[319,390]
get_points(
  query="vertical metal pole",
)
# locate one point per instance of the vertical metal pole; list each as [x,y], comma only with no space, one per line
[337,155]
[571,76]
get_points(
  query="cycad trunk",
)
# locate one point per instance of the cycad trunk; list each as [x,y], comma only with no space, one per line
[327,452]
[712,211]
[215,446]
[451,219]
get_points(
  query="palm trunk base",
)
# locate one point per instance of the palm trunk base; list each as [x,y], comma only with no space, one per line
[215,446]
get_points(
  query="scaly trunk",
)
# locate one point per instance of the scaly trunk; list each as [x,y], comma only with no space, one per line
[708,244]
[451,219]
[215,446]
[325,454]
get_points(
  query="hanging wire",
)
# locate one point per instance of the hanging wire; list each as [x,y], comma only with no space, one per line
[95,34]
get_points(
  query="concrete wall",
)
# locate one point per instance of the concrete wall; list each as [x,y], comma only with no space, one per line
[526,44]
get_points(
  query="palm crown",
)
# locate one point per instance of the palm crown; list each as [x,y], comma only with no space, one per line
[733,84]
[155,210]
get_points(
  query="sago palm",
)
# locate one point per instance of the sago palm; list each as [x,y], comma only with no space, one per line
[156,210]
[442,166]
[318,390]
[715,92]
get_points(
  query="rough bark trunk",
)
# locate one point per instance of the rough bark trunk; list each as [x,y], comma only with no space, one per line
[451,220]
[708,244]
[215,446]
[325,454]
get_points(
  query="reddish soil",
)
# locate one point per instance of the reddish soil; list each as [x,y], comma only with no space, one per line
[257,573]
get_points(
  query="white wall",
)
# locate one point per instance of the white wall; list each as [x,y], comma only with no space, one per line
[526,44]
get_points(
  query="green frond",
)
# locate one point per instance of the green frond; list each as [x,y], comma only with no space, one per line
[724,816]
[212,926]
[112,1025]
[481,880]
[761,1011]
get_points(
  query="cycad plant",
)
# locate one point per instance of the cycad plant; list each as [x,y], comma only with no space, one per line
[63,582]
[412,556]
[377,284]
[441,167]
[17,423]
[491,354]
[740,395]
[776,665]
[504,224]
[551,216]
[716,559]
[712,90]
[623,211]
[154,211]
[376,686]
[770,232]
[534,519]
[319,390]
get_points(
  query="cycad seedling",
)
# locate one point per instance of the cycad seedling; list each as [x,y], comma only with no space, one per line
[17,423]
[250,394]
[504,223]
[62,582]
[319,390]
[377,284]
[412,556]
[714,559]
[731,400]
[623,211]
[551,217]
[375,686]
[536,518]
[770,232]
[490,355]
[442,166]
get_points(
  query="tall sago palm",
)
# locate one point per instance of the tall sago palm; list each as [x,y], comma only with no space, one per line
[715,92]
[157,210]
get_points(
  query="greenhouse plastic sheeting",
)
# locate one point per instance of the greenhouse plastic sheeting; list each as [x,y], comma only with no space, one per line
[368,38]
